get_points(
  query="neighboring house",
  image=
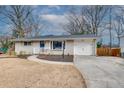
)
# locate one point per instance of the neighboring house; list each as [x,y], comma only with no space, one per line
[70,44]
[122,45]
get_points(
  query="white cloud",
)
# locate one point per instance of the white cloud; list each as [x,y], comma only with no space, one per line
[53,18]
[55,23]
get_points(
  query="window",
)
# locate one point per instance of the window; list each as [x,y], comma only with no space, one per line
[27,43]
[41,44]
[57,45]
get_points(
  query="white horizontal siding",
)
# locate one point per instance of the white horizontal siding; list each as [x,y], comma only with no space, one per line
[19,47]
[77,47]
[122,44]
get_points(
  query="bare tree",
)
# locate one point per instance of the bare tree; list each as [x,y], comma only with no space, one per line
[34,26]
[75,23]
[89,21]
[119,23]
[17,16]
[110,26]
[115,23]
[95,17]
[23,21]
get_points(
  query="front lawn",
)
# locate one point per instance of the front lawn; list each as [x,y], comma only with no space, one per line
[16,72]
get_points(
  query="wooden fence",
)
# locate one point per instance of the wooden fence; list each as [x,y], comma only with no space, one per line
[108,51]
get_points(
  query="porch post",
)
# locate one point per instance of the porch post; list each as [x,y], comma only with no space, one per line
[63,48]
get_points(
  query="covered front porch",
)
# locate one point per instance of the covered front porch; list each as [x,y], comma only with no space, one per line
[50,47]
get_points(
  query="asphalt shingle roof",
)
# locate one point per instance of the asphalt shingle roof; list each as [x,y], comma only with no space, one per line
[60,37]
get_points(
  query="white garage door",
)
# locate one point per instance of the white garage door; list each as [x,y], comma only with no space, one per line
[82,47]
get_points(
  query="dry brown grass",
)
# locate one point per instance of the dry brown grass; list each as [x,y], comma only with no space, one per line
[16,72]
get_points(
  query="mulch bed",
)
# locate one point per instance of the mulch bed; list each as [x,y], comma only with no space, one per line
[67,58]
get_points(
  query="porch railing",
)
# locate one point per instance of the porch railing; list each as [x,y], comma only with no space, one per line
[50,51]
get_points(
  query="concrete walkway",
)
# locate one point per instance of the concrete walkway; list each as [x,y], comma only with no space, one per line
[101,72]
[34,58]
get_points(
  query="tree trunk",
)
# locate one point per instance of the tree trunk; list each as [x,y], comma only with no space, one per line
[110,19]
[118,41]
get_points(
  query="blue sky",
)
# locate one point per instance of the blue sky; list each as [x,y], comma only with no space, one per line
[53,16]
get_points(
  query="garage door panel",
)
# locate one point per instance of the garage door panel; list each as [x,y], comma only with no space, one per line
[82,48]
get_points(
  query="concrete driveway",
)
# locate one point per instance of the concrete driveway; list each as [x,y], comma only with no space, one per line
[101,72]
